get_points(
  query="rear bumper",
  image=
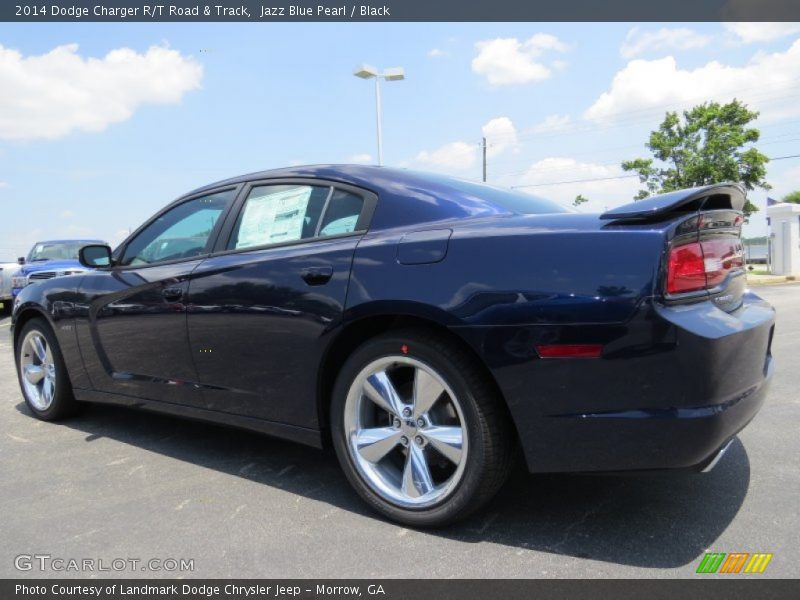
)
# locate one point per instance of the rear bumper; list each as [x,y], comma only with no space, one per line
[674,385]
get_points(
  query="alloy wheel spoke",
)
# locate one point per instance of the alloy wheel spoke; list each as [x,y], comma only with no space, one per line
[38,346]
[448,441]
[47,389]
[417,480]
[379,388]
[375,443]
[427,390]
[34,373]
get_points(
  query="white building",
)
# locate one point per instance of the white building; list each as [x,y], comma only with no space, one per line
[784,219]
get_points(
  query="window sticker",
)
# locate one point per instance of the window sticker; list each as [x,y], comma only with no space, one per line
[274,217]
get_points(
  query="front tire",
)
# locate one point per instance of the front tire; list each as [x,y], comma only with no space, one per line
[418,429]
[42,373]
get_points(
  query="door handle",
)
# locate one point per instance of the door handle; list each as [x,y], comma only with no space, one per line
[316,275]
[172,293]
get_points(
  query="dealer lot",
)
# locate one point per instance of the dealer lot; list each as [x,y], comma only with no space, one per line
[116,483]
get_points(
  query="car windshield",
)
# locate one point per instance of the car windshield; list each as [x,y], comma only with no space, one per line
[56,250]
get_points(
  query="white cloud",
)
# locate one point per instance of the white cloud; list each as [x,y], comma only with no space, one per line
[601,194]
[762,32]
[660,83]
[3,184]
[436,53]
[50,95]
[500,134]
[552,123]
[455,156]
[119,236]
[363,159]
[639,42]
[784,180]
[74,230]
[508,61]
[67,214]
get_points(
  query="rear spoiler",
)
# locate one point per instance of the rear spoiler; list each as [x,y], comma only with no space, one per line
[710,197]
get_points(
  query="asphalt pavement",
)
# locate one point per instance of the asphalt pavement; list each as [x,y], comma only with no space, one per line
[120,484]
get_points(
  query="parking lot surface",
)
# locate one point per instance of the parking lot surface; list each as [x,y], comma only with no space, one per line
[117,483]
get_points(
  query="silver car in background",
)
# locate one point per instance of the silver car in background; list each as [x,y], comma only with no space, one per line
[7,271]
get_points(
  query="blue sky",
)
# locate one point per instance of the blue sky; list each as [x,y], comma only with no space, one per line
[92,146]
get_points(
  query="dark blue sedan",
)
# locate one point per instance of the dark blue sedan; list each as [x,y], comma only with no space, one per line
[429,329]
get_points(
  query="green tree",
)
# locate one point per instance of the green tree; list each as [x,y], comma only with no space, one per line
[710,143]
[579,199]
[792,197]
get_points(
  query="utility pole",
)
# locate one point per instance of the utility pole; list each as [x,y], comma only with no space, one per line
[483,148]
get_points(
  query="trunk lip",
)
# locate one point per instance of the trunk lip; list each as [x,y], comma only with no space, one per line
[686,200]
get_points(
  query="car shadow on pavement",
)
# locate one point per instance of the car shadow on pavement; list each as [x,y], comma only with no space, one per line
[659,520]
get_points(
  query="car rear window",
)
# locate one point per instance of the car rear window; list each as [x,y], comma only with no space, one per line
[504,199]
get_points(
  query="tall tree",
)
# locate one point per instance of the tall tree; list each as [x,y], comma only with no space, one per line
[710,143]
[579,199]
[792,197]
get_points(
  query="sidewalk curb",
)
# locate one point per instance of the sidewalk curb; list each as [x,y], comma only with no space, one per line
[772,280]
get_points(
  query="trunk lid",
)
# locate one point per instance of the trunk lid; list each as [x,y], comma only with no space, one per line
[704,254]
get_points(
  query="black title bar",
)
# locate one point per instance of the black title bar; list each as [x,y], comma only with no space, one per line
[275,11]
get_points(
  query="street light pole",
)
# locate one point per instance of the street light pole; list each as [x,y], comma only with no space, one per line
[393,74]
[378,116]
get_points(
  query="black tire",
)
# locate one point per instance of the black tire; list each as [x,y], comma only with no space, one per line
[490,434]
[63,404]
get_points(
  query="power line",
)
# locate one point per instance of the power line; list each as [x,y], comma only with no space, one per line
[610,120]
[592,179]
[515,187]
[617,162]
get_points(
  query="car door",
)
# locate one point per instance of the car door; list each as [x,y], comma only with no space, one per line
[258,312]
[133,336]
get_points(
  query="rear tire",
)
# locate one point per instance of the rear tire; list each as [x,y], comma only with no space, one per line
[419,431]
[42,374]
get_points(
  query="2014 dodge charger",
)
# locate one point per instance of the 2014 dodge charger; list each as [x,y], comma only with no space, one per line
[427,327]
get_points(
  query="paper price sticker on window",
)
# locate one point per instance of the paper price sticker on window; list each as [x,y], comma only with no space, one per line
[275,216]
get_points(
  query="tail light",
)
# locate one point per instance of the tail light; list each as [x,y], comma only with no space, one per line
[702,265]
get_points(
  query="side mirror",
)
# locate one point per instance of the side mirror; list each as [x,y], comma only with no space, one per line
[21,260]
[94,256]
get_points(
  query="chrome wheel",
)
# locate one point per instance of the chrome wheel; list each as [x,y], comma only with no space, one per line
[406,432]
[37,370]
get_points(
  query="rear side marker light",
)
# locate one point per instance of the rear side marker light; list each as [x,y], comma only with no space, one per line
[570,350]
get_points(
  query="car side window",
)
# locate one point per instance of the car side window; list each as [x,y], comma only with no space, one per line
[342,213]
[181,232]
[276,214]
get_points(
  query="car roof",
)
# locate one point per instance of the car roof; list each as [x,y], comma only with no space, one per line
[368,176]
[408,197]
[67,241]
